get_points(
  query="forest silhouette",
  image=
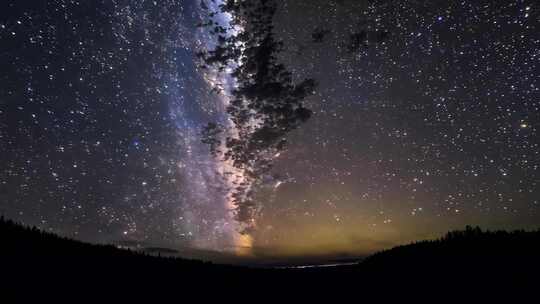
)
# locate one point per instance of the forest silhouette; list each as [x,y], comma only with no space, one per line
[465,260]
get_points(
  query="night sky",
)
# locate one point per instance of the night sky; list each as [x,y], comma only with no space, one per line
[431,129]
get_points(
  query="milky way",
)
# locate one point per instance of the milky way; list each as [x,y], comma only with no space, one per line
[102,117]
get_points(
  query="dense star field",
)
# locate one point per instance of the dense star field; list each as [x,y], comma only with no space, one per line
[425,119]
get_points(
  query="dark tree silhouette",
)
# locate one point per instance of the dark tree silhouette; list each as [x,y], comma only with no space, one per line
[461,263]
[266,104]
[461,259]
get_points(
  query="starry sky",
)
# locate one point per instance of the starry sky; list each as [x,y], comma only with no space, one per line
[433,128]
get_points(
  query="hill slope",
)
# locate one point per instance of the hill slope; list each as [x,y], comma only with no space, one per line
[467,258]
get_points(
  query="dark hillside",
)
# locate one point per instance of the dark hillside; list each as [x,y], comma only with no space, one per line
[464,260]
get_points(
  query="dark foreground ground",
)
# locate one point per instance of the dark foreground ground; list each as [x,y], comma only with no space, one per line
[461,265]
